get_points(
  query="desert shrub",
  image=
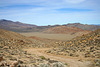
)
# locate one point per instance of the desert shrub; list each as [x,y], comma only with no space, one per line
[42,57]
[58,64]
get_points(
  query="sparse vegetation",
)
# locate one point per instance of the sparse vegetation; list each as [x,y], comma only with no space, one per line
[12,45]
[87,46]
[42,57]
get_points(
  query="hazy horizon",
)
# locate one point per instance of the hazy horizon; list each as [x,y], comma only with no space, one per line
[51,24]
[51,12]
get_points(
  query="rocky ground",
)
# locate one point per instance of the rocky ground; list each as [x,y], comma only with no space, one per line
[86,46]
[13,55]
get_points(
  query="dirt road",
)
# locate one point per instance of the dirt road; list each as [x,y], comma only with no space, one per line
[73,62]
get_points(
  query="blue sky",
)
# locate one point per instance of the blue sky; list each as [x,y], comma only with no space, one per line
[51,12]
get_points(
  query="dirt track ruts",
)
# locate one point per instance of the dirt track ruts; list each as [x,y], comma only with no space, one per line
[71,61]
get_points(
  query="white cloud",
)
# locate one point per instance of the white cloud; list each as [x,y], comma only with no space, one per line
[46,11]
[74,1]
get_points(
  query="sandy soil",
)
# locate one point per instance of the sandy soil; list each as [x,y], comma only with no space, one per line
[64,37]
[72,62]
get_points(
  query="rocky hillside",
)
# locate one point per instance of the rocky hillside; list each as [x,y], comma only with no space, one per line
[4,34]
[83,26]
[13,55]
[11,44]
[84,46]
[63,30]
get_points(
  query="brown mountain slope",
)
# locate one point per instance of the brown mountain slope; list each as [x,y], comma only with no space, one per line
[63,30]
[14,26]
[83,26]
[21,27]
[10,37]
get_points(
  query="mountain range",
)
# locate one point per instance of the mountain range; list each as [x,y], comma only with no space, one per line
[22,27]
[84,26]
[14,26]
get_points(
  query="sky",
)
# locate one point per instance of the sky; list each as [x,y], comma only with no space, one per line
[51,12]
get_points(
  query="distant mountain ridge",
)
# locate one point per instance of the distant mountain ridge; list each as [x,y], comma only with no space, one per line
[18,24]
[83,26]
[14,26]
[63,30]
[22,27]
[96,24]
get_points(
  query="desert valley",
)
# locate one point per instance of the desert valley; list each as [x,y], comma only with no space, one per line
[68,45]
